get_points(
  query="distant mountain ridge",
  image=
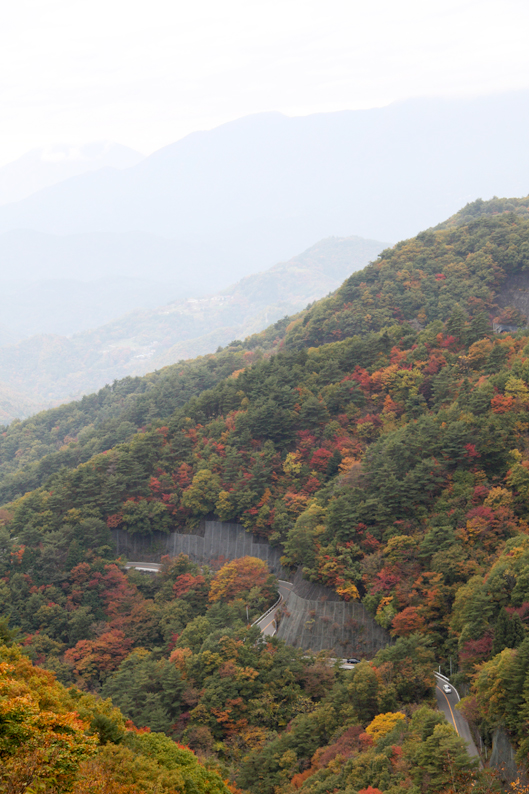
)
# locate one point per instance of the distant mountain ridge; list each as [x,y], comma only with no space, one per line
[49,367]
[275,185]
[70,306]
[71,433]
[41,168]
[378,442]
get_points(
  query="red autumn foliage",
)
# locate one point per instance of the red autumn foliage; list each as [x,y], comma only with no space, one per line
[361,376]
[186,582]
[471,451]
[298,780]
[306,443]
[348,743]
[502,404]
[407,622]
[522,612]
[385,580]
[475,651]
[312,485]
[104,654]
[435,363]
[320,459]
[129,725]
[480,493]
[183,475]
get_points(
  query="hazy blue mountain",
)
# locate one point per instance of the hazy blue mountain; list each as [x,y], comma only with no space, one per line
[17,405]
[385,173]
[197,265]
[68,306]
[222,204]
[46,166]
[51,367]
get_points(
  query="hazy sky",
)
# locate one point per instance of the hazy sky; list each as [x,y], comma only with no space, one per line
[146,72]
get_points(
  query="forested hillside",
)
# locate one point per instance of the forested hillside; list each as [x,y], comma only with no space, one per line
[381,438]
[58,740]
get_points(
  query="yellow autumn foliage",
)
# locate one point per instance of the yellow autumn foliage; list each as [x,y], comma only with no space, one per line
[384,724]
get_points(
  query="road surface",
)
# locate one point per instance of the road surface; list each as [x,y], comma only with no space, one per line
[267,623]
[447,702]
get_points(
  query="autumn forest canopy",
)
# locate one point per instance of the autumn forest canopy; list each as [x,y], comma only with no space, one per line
[380,439]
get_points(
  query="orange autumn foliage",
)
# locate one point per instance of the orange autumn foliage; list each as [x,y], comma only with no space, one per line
[42,740]
[104,654]
[407,622]
[238,576]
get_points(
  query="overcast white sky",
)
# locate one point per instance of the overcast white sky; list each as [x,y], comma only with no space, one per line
[146,72]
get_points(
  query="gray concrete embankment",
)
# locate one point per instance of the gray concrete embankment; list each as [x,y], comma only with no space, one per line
[211,541]
[316,619]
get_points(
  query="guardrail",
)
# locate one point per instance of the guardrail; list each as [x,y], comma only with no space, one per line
[274,606]
[139,566]
[268,611]
[440,675]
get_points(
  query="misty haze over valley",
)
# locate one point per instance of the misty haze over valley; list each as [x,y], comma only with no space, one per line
[94,238]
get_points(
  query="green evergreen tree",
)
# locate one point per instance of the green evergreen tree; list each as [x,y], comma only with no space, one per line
[456,323]
[480,328]
[363,692]
[516,631]
[501,633]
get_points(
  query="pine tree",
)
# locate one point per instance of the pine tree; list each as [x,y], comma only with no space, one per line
[516,631]
[456,323]
[501,633]
[479,328]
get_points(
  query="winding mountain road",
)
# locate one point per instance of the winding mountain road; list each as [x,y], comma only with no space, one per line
[151,567]
[447,702]
[267,622]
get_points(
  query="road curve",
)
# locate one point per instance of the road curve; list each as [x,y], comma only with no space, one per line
[267,623]
[447,702]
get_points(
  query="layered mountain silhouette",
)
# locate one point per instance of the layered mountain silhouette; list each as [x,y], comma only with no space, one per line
[48,165]
[255,191]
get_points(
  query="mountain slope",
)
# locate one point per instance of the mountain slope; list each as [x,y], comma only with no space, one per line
[390,464]
[15,404]
[41,168]
[50,367]
[71,433]
[468,261]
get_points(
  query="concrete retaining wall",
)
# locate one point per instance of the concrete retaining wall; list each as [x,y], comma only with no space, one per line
[213,540]
[503,758]
[345,628]
[315,618]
